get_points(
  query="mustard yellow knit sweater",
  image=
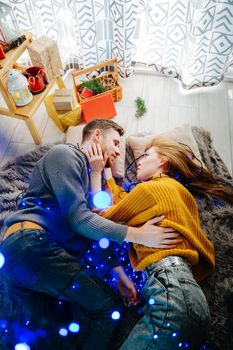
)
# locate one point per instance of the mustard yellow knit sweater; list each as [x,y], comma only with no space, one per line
[163,195]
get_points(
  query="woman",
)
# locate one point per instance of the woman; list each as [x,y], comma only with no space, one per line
[177,315]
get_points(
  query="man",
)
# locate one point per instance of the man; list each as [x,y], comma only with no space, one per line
[45,239]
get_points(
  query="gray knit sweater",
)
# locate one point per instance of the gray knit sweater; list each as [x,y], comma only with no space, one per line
[58,199]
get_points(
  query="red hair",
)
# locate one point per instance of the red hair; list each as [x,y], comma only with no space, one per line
[182,165]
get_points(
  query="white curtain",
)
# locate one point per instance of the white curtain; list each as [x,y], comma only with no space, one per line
[190,40]
[87,31]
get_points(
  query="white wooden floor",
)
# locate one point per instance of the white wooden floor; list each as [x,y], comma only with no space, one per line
[168,106]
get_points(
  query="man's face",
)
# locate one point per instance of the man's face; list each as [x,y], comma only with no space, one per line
[110,143]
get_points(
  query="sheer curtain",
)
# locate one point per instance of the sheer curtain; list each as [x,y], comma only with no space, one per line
[87,31]
[190,40]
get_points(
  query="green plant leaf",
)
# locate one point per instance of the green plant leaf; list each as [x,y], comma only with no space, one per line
[94,85]
[141,107]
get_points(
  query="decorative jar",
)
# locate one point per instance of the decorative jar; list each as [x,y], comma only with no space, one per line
[17,86]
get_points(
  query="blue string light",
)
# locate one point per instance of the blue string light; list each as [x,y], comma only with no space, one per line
[102,200]
[22,346]
[217,202]
[63,332]
[3,323]
[38,202]
[116,315]
[75,286]
[151,301]
[2,260]
[103,243]
[74,327]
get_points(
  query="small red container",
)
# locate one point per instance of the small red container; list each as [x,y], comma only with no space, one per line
[2,53]
[86,93]
[35,77]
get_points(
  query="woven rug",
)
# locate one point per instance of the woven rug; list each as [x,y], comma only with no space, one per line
[216,219]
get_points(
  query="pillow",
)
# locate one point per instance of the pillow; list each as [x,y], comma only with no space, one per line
[74,136]
[181,134]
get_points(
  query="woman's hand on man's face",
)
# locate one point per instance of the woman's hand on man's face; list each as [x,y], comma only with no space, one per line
[96,158]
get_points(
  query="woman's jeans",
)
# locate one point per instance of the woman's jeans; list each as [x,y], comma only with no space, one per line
[36,263]
[176,316]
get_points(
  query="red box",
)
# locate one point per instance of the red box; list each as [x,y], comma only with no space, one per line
[2,54]
[98,107]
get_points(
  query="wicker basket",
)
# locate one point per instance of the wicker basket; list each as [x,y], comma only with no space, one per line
[109,80]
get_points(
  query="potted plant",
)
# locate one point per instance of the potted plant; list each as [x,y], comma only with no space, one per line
[91,87]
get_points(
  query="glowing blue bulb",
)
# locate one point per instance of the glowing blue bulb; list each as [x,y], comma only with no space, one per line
[155,336]
[203,347]
[151,301]
[186,345]
[174,334]
[63,332]
[103,243]
[168,324]
[75,286]
[22,346]
[102,200]
[3,323]
[2,260]
[116,315]
[180,345]
[74,327]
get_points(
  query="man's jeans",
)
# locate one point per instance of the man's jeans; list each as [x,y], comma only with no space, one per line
[176,316]
[34,262]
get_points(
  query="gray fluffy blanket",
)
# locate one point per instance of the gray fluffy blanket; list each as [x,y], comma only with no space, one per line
[216,219]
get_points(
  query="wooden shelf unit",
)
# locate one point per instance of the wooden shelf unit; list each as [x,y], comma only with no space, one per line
[25,112]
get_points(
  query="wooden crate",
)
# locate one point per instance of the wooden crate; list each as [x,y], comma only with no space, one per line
[116,92]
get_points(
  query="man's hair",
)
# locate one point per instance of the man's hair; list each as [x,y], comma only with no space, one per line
[103,125]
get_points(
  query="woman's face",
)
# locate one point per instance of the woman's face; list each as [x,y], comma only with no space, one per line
[149,164]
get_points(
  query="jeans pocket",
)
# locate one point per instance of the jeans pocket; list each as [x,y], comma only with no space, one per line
[20,267]
[154,282]
[197,307]
[156,294]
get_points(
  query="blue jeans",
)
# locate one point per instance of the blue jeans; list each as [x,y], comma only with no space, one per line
[36,263]
[176,315]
